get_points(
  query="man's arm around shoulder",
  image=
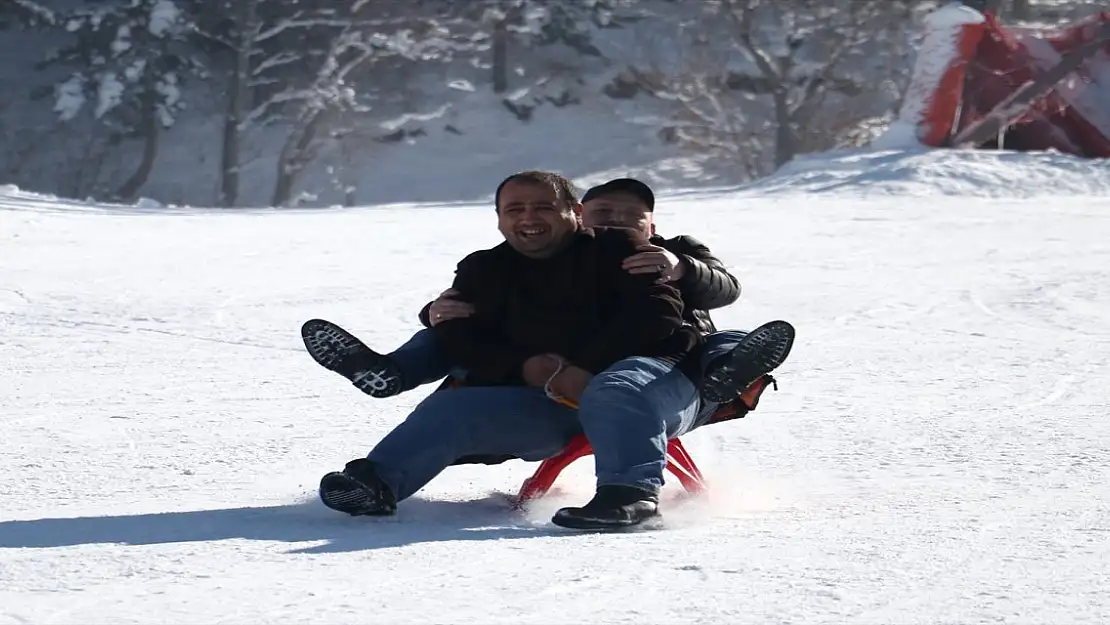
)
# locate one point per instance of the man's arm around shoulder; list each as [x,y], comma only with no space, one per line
[706,284]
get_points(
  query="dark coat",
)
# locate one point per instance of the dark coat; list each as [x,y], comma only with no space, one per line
[579,304]
[706,285]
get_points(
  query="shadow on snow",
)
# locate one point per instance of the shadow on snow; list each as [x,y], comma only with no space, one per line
[417,521]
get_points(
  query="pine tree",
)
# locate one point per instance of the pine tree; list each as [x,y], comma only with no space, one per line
[129,63]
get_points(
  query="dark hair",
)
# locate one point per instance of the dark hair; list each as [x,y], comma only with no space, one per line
[565,190]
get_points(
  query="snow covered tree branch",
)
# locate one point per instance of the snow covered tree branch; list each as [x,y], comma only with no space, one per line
[331,94]
[286,63]
[806,49]
[784,71]
[533,23]
[27,13]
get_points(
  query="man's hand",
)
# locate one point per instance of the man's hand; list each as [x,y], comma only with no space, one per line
[538,369]
[654,259]
[446,307]
[571,383]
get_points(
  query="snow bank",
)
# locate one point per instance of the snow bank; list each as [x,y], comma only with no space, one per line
[13,198]
[925,172]
[856,173]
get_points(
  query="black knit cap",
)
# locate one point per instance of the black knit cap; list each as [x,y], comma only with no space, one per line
[623,185]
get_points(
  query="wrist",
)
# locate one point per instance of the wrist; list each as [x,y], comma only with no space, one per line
[684,267]
[680,270]
[559,369]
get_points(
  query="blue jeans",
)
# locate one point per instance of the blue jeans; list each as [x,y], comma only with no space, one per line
[628,412]
[421,361]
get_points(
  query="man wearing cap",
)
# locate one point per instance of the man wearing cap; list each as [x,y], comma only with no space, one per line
[700,276]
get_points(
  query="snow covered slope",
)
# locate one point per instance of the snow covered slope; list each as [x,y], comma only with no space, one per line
[958,173]
[936,452]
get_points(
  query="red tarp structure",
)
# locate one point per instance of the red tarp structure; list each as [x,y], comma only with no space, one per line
[976,64]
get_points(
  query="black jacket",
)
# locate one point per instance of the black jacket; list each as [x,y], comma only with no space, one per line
[579,304]
[705,286]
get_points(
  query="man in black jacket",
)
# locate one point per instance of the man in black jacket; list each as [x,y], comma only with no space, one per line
[683,260]
[555,317]
[687,263]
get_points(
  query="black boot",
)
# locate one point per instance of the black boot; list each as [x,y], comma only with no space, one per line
[339,351]
[357,490]
[613,507]
[761,351]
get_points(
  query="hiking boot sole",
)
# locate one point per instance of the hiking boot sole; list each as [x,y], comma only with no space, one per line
[337,350]
[760,352]
[582,522]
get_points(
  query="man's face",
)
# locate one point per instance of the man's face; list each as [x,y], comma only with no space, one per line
[533,220]
[618,210]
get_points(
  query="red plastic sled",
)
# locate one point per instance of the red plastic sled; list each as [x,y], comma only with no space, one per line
[679,461]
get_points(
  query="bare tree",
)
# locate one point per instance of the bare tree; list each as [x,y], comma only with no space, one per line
[331,96]
[777,77]
[499,25]
[710,118]
[265,39]
[269,42]
[242,36]
[293,64]
[499,19]
[327,96]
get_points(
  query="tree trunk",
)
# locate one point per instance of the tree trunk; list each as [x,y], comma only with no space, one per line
[130,189]
[346,175]
[295,156]
[500,53]
[237,102]
[1013,107]
[786,143]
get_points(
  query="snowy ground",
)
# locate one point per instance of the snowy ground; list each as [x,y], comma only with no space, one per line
[936,453]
